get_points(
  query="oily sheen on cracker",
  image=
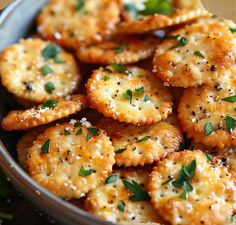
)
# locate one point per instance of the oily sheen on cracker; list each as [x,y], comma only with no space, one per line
[72,23]
[196,54]
[48,112]
[37,70]
[131,95]
[71,159]
[141,145]
[111,200]
[187,188]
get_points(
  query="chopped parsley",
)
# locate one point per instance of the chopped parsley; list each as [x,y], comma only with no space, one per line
[230,123]
[46,70]
[66,132]
[46,146]
[51,51]
[89,136]
[231,99]
[128,95]
[106,78]
[209,157]
[199,54]
[51,104]
[49,87]
[119,50]
[144,139]
[167,181]
[171,36]
[185,145]
[121,206]
[79,131]
[233,29]
[80,5]
[94,131]
[157,6]
[106,69]
[209,128]
[140,90]
[140,194]
[182,41]
[120,151]
[186,174]
[78,124]
[111,179]
[85,173]
[120,68]
[147,98]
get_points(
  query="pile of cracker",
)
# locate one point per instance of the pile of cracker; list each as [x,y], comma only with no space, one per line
[129,105]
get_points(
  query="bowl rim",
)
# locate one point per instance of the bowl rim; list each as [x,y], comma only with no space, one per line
[34,192]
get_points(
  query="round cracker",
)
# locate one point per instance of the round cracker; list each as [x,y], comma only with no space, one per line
[122,50]
[131,96]
[70,160]
[26,142]
[204,114]
[155,22]
[22,71]
[72,23]
[209,50]
[42,114]
[141,145]
[106,200]
[212,200]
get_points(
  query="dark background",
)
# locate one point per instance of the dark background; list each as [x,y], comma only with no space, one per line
[12,203]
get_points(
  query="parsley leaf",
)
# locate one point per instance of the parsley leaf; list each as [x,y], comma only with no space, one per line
[120,68]
[111,179]
[51,51]
[209,128]
[51,104]
[46,146]
[231,99]
[85,173]
[49,87]
[182,41]
[128,95]
[78,124]
[106,69]
[199,54]
[147,98]
[140,194]
[66,132]
[144,139]
[157,6]
[230,123]
[80,5]
[120,151]
[209,157]
[89,136]
[94,131]
[106,78]
[79,131]
[232,29]
[121,206]
[46,70]
[59,60]
[140,90]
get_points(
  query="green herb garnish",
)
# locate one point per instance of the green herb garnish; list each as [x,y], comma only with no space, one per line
[185,145]
[66,132]
[111,179]
[140,90]
[79,131]
[46,146]
[233,30]
[119,50]
[231,99]
[120,151]
[121,206]
[157,6]
[51,51]
[128,95]
[144,139]
[209,157]
[209,128]
[199,54]
[80,5]
[182,41]
[147,98]
[106,78]
[94,131]
[167,181]
[49,87]
[140,194]
[230,123]
[89,136]
[120,68]
[51,104]
[78,124]
[106,69]
[46,70]
[84,173]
